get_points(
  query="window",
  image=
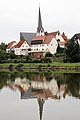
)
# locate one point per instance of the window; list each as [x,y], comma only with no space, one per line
[58,40]
[42,44]
[29,49]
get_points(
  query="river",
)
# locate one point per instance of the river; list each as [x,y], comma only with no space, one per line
[39,96]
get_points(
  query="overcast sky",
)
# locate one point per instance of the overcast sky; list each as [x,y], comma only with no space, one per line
[22,16]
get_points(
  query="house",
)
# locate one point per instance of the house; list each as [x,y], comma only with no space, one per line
[22,48]
[76,37]
[24,44]
[11,47]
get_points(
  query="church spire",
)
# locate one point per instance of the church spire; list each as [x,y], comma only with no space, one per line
[41,102]
[40,29]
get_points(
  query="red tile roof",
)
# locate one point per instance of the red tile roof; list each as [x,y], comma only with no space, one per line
[14,46]
[39,38]
[19,44]
[46,39]
[64,36]
[10,44]
[53,33]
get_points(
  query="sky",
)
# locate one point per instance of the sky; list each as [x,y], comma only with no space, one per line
[22,16]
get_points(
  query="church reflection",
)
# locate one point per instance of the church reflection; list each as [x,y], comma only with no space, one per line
[40,88]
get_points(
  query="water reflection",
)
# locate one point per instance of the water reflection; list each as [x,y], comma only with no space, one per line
[42,86]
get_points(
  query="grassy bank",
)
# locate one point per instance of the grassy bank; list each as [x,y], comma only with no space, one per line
[54,64]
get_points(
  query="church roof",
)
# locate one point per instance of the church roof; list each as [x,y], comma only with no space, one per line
[38,38]
[27,36]
[46,39]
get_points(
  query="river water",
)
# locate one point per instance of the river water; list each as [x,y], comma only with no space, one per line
[39,96]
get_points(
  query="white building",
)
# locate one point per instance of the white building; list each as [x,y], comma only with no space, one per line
[22,48]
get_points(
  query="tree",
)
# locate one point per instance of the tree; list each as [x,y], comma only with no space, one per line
[3,46]
[72,51]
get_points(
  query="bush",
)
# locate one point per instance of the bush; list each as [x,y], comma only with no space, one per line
[35,61]
[45,60]
[48,54]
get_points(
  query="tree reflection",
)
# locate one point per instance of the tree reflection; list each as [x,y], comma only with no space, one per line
[42,85]
[70,80]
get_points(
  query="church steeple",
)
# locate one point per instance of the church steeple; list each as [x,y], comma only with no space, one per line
[40,29]
[41,102]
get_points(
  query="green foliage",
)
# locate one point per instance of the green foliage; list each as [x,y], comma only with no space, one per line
[60,50]
[28,59]
[12,55]
[3,47]
[72,51]
[45,60]
[48,54]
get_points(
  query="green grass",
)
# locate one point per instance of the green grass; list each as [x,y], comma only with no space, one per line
[55,64]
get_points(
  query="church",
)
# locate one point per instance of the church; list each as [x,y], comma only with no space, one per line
[45,42]
[39,43]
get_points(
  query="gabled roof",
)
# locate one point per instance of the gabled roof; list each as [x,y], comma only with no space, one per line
[38,38]
[27,36]
[77,36]
[10,45]
[19,44]
[64,36]
[46,39]
[53,33]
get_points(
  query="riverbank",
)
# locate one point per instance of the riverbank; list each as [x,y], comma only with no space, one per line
[39,66]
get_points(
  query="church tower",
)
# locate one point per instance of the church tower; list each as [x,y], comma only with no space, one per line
[41,103]
[40,29]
